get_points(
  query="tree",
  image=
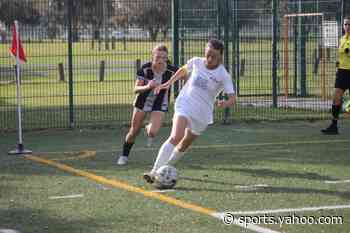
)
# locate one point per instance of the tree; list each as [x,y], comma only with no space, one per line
[84,13]
[24,12]
[154,16]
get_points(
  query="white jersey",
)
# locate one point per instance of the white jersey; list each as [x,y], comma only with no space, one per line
[200,91]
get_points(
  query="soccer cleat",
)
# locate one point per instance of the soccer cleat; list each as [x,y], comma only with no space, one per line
[123,160]
[148,177]
[331,130]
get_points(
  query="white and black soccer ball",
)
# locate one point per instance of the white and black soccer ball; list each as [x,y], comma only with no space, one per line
[165,177]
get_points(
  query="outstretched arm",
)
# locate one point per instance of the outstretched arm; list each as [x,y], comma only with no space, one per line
[180,74]
[141,87]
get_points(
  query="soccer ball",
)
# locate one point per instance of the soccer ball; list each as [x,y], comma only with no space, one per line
[165,177]
[346,106]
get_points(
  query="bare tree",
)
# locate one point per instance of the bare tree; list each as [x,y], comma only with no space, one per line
[154,16]
[24,12]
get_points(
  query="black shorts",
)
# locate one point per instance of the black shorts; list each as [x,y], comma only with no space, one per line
[343,79]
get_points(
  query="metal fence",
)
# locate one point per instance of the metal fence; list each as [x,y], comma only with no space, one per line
[83,55]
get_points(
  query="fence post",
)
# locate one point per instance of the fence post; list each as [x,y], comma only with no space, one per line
[274,53]
[138,64]
[102,71]
[61,72]
[236,47]
[70,63]
[242,67]
[113,43]
[227,25]
[175,41]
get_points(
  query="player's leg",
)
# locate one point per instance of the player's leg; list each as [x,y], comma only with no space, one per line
[336,107]
[177,133]
[153,127]
[195,129]
[136,124]
[182,146]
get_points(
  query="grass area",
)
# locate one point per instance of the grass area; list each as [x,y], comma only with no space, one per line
[290,160]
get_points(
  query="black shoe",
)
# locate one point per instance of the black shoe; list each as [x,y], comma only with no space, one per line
[149,177]
[331,130]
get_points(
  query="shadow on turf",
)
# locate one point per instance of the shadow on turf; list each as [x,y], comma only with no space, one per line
[279,174]
[207,181]
[267,189]
[270,190]
[35,220]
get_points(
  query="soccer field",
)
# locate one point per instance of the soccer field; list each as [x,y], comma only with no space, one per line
[286,172]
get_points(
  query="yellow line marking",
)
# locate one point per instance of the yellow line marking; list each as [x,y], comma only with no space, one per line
[81,155]
[122,185]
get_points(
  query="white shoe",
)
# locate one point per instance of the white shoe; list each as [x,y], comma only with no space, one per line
[123,160]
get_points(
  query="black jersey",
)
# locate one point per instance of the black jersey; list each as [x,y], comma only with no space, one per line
[147,101]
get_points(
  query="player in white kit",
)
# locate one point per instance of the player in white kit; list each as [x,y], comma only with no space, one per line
[206,78]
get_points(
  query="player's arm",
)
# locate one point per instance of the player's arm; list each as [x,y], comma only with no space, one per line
[227,103]
[141,86]
[180,74]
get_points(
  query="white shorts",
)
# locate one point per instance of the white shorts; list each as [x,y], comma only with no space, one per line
[196,127]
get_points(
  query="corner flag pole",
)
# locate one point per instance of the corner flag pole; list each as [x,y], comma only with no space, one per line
[18,52]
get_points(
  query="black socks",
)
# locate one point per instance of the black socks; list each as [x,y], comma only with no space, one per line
[126,148]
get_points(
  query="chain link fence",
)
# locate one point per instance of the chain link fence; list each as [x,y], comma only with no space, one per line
[83,55]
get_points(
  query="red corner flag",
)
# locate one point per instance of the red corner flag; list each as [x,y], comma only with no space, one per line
[16,44]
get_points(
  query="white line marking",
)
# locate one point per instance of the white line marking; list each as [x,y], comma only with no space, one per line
[8,231]
[163,191]
[304,209]
[67,196]
[249,226]
[337,181]
[251,186]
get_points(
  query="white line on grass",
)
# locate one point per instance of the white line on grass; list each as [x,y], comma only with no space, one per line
[163,190]
[66,196]
[254,186]
[8,231]
[290,210]
[337,181]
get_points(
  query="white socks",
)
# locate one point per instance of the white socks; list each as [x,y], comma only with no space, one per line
[175,156]
[163,156]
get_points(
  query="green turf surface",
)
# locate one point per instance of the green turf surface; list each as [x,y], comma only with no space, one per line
[292,159]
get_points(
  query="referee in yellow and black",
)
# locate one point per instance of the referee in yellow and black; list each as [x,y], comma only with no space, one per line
[342,82]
